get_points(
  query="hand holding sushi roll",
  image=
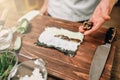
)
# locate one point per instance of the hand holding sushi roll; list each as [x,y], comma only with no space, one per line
[100,16]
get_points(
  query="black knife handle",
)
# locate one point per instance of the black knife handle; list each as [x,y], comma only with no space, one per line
[110,35]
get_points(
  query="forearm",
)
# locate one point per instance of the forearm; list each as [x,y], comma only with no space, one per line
[44,7]
[108,4]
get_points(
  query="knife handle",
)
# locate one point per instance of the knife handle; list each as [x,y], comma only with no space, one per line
[110,35]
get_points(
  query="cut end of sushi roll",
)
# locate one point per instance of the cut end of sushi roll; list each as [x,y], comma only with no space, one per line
[61,39]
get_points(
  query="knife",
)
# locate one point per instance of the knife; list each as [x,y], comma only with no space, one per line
[100,56]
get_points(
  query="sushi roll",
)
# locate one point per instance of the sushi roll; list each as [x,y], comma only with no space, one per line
[61,39]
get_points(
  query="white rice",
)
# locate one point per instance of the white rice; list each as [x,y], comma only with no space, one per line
[36,75]
[48,37]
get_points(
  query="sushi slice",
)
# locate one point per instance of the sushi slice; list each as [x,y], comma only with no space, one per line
[61,39]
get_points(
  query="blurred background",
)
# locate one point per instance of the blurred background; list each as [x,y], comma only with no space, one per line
[12,10]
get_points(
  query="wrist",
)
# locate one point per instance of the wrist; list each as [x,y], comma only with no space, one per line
[108,5]
[43,9]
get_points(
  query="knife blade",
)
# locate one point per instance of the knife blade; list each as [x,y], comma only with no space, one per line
[100,56]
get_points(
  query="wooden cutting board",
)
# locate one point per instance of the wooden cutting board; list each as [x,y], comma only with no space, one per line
[58,64]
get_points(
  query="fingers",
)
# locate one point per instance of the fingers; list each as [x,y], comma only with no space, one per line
[95,27]
[87,25]
[106,17]
[87,32]
[81,29]
[97,23]
[46,13]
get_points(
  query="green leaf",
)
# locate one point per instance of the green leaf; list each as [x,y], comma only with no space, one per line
[6,72]
[7,61]
[3,60]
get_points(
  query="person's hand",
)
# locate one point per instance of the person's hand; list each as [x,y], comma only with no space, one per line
[43,9]
[99,17]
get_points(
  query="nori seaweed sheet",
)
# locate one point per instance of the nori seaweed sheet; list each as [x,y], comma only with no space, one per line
[66,52]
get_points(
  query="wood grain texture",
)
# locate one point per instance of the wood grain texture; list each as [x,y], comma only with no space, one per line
[58,64]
